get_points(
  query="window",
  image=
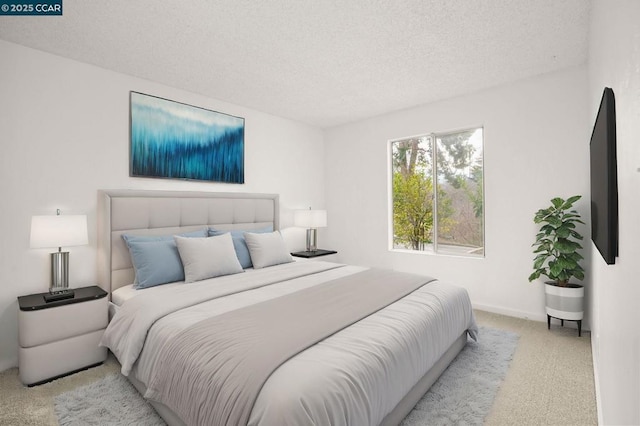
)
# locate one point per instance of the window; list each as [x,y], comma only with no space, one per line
[446,217]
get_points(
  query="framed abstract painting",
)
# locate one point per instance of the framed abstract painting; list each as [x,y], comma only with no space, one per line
[179,141]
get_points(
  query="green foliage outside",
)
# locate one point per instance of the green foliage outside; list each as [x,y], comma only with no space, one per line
[412,210]
[412,194]
[473,189]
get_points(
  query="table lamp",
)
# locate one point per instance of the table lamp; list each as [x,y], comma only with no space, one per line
[59,231]
[312,220]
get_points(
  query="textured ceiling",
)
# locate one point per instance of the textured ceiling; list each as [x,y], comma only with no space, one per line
[322,62]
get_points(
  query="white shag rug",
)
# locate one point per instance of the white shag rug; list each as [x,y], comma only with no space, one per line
[111,401]
[463,395]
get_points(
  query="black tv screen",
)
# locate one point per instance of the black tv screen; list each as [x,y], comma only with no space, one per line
[604,180]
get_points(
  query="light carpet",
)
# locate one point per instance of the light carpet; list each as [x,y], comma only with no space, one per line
[462,395]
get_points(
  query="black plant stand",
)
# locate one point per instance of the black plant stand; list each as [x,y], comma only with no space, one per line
[562,324]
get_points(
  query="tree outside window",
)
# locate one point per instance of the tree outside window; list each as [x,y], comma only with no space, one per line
[445,217]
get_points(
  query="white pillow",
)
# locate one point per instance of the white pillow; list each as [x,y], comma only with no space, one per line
[210,257]
[267,249]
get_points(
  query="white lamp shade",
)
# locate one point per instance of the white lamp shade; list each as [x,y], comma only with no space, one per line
[310,218]
[59,231]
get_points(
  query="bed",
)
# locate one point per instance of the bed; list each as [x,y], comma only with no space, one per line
[367,358]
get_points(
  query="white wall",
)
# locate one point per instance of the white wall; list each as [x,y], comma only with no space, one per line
[614,61]
[536,141]
[64,133]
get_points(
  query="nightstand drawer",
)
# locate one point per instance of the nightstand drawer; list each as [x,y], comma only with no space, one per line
[54,359]
[62,322]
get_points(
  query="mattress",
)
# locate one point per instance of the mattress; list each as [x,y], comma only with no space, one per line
[356,376]
[124,293]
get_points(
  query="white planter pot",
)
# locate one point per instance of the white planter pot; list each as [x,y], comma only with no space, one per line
[565,303]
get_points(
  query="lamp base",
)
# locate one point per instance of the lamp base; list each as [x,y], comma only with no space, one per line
[55,295]
[312,239]
[59,270]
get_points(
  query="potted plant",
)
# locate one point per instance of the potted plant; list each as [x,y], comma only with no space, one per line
[557,258]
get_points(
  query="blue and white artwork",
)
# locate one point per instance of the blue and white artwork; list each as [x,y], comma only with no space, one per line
[179,141]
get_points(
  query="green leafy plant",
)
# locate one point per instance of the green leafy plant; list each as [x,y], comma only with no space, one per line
[557,242]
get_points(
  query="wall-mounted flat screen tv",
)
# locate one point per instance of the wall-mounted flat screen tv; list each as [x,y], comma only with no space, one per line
[604,180]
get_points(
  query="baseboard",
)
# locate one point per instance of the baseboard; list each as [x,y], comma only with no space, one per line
[596,379]
[534,316]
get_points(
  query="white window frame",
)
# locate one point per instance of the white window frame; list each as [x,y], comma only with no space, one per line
[434,245]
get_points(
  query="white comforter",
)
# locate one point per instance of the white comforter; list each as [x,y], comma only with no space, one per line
[355,377]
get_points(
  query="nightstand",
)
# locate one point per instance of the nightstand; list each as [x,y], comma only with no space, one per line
[317,253]
[61,337]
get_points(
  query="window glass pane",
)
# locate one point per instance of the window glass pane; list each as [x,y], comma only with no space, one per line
[412,172]
[459,165]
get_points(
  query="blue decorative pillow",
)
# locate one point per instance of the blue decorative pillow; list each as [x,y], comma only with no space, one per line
[155,258]
[155,262]
[239,243]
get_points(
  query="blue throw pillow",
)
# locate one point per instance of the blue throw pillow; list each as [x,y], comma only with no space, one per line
[155,262]
[155,258]
[239,243]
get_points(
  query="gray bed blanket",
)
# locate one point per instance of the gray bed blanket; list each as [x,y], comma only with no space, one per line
[125,336]
[213,372]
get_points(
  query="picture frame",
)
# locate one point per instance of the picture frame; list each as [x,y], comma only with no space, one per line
[173,140]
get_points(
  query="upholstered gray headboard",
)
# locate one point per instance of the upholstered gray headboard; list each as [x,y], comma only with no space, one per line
[143,212]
